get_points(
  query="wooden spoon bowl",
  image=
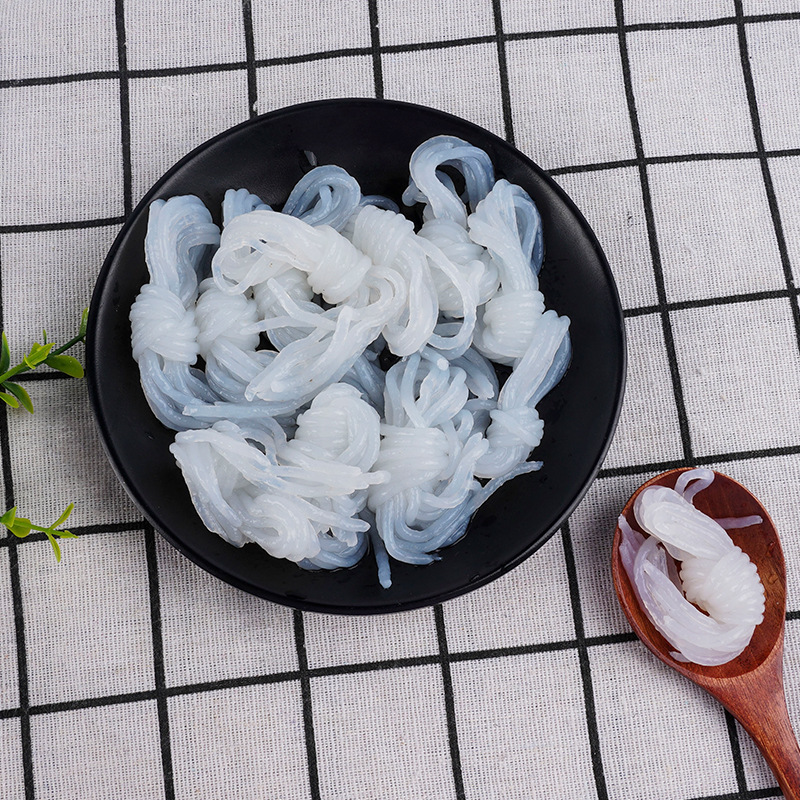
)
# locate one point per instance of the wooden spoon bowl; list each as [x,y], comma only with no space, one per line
[751,685]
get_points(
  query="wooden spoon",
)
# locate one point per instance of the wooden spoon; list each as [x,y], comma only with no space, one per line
[751,685]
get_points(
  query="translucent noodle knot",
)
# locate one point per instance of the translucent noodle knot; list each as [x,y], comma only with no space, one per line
[160,323]
[224,317]
[508,324]
[715,575]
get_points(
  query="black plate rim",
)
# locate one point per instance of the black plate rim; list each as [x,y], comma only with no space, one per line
[301,604]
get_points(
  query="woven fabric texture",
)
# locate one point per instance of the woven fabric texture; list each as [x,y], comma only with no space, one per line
[127,672]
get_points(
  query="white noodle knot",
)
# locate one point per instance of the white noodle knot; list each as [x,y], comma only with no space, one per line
[338,269]
[719,587]
[516,426]
[389,240]
[516,430]
[715,574]
[414,458]
[508,324]
[159,322]
[288,503]
[472,259]
[262,244]
[342,426]
[224,317]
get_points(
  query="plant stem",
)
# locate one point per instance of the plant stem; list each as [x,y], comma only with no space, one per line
[64,347]
[23,367]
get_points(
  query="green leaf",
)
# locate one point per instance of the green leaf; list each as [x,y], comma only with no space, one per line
[38,353]
[64,515]
[9,399]
[54,543]
[44,336]
[21,395]
[5,354]
[84,323]
[66,364]
[21,527]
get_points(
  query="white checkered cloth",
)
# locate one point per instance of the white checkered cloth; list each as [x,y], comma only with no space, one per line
[127,672]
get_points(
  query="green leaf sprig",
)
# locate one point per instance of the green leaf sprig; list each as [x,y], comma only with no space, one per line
[21,527]
[15,396]
[12,394]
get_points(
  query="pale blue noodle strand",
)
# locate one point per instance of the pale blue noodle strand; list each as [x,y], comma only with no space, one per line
[529,225]
[379,201]
[433,187]
[164,330]
[240,201]
[326,195]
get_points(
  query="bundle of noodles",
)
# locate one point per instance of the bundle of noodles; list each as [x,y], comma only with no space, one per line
[445,215]
[389,240]
[228,345]
[506,224]
[715,574]
[164,333]
[515,427]
[296,458]
[259,247]
[298,499]
[429,450]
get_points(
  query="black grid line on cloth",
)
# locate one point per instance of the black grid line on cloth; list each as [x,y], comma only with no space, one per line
[655,253]
[664,313]
[585,667]
[250,57]
[304,676]
[555,172]
[158,661]
[683,158]
[124,107]
[712,302]
[16,596]
[376,48]
[502,65]
[736,752]
[47,227]
[769,188]
[318,672]
[698,461]
[752,794]
[85,530]
[449,702]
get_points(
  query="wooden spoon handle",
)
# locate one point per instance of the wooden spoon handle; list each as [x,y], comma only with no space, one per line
[763,714]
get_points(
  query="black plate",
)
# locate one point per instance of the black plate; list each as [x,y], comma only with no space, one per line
[371,139]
